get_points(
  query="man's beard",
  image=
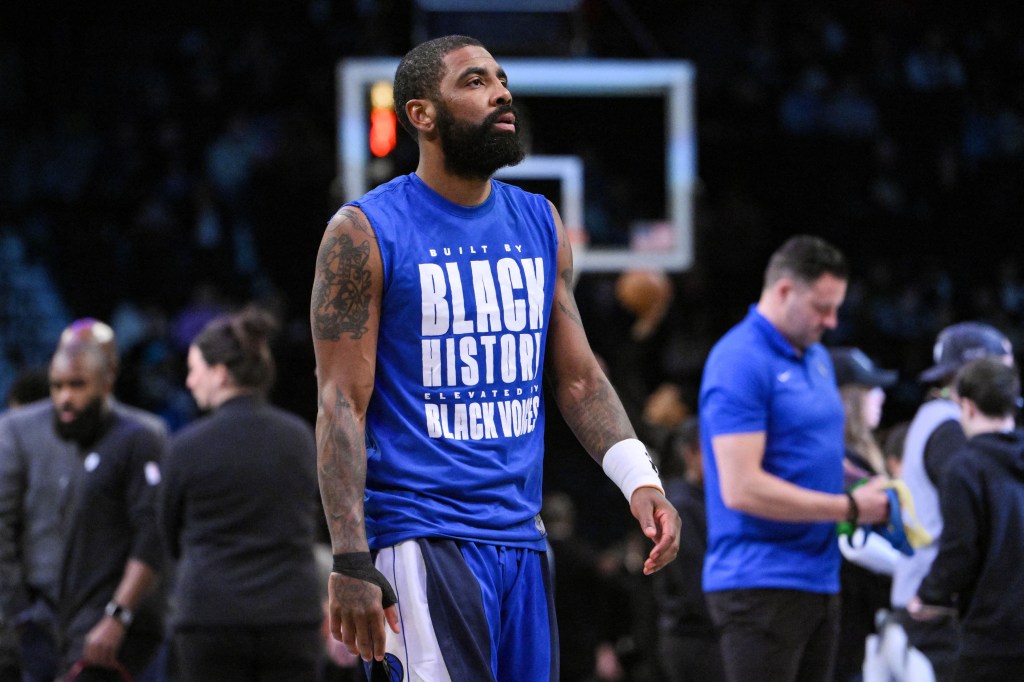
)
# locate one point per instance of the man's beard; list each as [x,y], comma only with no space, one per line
[476,151]
[87,427]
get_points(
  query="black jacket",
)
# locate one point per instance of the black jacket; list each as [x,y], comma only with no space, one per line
[978,569]
[110,517]
[239,510]
[681,607]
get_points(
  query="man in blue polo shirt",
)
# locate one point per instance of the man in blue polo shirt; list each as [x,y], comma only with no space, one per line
[772,430]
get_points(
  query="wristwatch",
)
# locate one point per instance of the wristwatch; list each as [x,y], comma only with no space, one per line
[119,613]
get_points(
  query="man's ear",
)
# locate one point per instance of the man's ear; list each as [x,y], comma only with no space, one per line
[422,115]
[968,409]
[784,287]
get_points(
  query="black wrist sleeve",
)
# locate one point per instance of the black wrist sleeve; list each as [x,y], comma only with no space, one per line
[359,565]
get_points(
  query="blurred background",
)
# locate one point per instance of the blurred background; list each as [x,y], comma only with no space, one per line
[163,162]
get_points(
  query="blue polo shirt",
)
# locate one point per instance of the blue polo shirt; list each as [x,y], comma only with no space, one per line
[754,381]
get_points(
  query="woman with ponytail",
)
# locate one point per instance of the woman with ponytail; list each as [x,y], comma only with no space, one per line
[239,513]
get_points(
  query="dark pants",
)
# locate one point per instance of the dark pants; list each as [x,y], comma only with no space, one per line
[254,654]
[938,640]
[40,656]
[690,659]
[778,635]
[990,669]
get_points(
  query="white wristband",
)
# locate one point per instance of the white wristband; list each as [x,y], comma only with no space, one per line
[630,467]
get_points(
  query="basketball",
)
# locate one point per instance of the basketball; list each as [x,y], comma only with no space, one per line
[642,292]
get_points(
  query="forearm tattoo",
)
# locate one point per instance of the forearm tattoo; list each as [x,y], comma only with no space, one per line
[590,407]
[598,419]
[341,469]
[341,290]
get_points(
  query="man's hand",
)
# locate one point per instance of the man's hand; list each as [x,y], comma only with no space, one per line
[918,610]
[660,522]
[103,642]
[872,501]
[357,616]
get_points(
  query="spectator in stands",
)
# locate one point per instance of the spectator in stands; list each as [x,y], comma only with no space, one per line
[862,591]
[934,436]
[688,647]
[977,571]
[31,384]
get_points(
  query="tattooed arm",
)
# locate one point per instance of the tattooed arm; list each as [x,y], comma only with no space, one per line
[345,315]
[592,409]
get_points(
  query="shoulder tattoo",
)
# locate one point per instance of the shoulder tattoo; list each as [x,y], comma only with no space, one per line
[341,289]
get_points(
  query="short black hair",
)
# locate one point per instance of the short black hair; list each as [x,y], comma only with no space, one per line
[990,384]
[685,435]
[419,74]
[31,384]
[806,258]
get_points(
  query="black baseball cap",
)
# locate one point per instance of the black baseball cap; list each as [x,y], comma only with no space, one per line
[854,367]
[960,343]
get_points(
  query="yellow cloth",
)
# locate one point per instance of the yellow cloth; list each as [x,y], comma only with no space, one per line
[916,535]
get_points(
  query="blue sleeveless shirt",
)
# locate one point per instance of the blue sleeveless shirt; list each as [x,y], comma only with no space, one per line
[455,425]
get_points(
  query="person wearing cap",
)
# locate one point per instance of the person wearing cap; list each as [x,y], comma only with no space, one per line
[977,571]
[772,435]
[934,436]
[862,387]
[79,545]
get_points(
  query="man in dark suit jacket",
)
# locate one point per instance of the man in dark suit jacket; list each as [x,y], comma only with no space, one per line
[79,545]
